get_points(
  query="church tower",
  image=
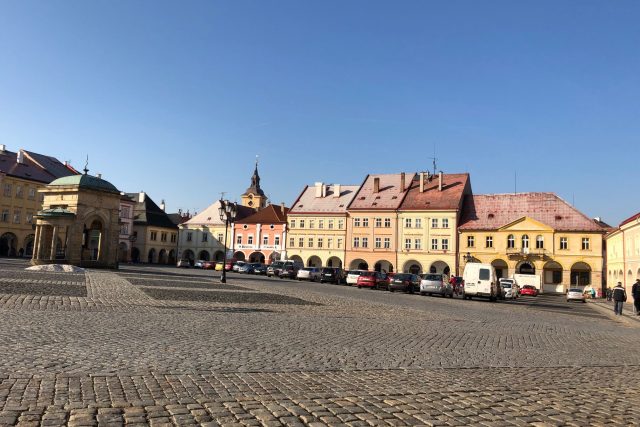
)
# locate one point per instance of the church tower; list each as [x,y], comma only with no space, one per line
[254,197]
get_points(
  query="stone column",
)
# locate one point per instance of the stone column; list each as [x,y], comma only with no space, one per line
[36,242]
[54,235]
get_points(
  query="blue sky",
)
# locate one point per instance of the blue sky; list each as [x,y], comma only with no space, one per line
[177,98]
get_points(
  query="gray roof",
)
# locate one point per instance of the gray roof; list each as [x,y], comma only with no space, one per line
[86,181]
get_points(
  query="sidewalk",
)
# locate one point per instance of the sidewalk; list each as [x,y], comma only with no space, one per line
[601,304]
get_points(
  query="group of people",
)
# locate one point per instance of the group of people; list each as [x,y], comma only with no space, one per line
[619,297]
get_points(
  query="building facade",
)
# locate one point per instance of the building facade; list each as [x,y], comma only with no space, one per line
[533,233]
[127,205]
[22,175]
[372,226]
[155,236]
[317,229]
[428,223]
[623,253]
[261,237]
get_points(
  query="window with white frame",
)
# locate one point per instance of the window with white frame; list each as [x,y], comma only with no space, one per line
[124,228]
[417,244]
[445,244]
[163,236]
[250,239]
[276,240]
[445,222]
[539,242]
[471,241]
[511,241]
[32,194]
[407,244]
[292,242]
[586,244]
[293,223]
[265,240]
[339,243]
[340,224]
[407,223]
[387,242]
[301,242]
[154,236]
[525,241]
[329,243]
[489,241]
[239,239]
[418,223]
[365,242]
[320,223]
[320,242]
[378,242]
[19,193]
[387,223]
[330,224]
[310,242]
[189,236]
[434,244]
[356,222]
[220,237]
[434,222]
[356,242]
[5,215]
[378,222]
[564,243]
[312,223]
[302,223]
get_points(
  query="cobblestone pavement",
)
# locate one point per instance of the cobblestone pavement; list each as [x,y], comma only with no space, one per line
[161,346]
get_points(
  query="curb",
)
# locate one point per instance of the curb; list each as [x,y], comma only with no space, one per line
[607,309]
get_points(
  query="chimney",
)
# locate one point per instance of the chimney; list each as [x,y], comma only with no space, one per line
[422,182]
[162,205]
[141,197]
[319,189]
[99,176]
[282,207]
[3,147]
[20,156]
[440,181]
[66,163]
[376,185]
[336,190]
[402,182]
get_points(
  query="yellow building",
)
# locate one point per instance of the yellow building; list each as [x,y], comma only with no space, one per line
[533,233]
[623,254]
[317,225]
[428,221]
[22,174]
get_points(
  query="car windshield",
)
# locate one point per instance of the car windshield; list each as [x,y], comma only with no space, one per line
[506,285]
[432,277]
[307,269]
[578,290]
[528,287]
[368,273]
[327,270]
[402,277]
[356,272]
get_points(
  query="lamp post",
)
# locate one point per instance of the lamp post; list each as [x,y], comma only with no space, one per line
[227,211]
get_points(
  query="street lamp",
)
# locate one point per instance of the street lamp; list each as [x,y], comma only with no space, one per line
[227,211]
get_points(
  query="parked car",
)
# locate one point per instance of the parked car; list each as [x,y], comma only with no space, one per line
[183,263]
[219,266]
[273,270]
[406,282]
[434,283]
[198,264]
[260,269]
[508,288]
[309,273]
[352,276]
[237,265]
[208,265]
[480,281]
[289,271]
[249,268]
[529,290]
[576,294]
[331,275]
[372,279]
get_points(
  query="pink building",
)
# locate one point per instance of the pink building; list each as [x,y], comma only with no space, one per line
[261,237]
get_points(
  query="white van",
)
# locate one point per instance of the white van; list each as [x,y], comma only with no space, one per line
[480,281]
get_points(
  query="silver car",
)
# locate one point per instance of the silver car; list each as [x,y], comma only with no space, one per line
[435,284]
[575,294]
[309,273]
[508,289]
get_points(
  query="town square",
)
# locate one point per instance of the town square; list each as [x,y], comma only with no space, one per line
[338,213]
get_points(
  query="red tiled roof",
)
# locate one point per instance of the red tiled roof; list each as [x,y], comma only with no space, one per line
[631,219]
[331,203]
[454,188]
[492,211]
[270,214]
[389,196]
[49,170]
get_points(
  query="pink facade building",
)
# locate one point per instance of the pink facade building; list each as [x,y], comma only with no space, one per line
[261,237]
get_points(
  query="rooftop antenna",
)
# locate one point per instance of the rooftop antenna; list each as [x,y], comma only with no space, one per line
[222,193]
[86,166]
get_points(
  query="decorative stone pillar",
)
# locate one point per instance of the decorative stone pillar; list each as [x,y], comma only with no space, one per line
[54,235]
[36,242]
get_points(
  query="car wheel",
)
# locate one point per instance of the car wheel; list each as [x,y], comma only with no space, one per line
[391,290]
[410,290]
[359,287]
[451,295]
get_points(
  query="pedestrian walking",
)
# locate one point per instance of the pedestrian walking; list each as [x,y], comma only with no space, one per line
[609,292]
[635,292]
[593,293]
[619,297]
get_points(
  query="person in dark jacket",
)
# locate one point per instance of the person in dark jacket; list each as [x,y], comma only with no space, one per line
[619,297]
[635,292]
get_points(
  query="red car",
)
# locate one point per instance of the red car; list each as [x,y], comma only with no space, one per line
[529,290]
[372,279]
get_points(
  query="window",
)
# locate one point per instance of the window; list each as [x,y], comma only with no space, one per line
[586,244]
[312,224]
[189,236]
[511,241]
[365,242]
[445,223]
[293,223]
[387,223]
[417,244]
[276,240]
[471,241]
[445,244]
[525,242]
[302,223]
[365,222]
[539,242]
[124,212]
[301,242]
[220,237]
[32,194]
[42,198]
[16,216]
[205,236]
[124,228]
[250,239]
[378,242]
[320,223]
[418,223]
[340,224]
[434,222]
[154,235]
[163,236]
[30,218]
[407,223]
[7,190]
[19,191]
[489,241]
[310,241]
[356,242]
[339,243]
[378,222]
[265,240]
[484,274]
[564,243]
[239,239]
[434,244]
[292,242]
[331,224]
[356,222]
[320,242]
[330,243]
[174,237]
[407,244]
[387,242]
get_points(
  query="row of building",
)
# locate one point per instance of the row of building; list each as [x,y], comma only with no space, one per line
[417,222]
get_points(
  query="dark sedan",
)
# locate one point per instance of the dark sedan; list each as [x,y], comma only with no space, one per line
[405,282]
[331,275]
